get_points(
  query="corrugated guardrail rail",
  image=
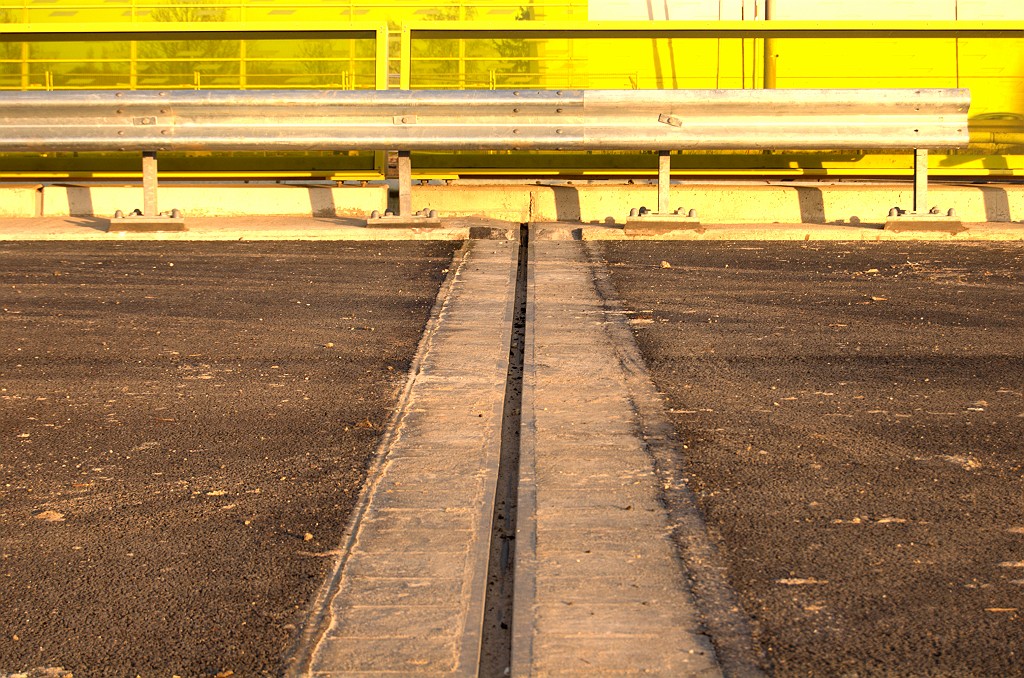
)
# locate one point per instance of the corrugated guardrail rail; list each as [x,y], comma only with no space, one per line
[652,120]
[483,120]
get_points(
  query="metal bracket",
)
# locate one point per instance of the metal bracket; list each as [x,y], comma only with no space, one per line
[149,219]
[922,218]
[405,217]
[644,222]
[670,120]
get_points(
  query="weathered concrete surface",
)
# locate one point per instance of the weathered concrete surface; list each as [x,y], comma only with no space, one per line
[216,200]
[975,232]
[240,228]
[834,203]
[20,200]
[600,589]
[593,203]
[462,228]
[408,594]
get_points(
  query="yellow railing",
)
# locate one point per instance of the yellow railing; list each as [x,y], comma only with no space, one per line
[251,55]
[31,11]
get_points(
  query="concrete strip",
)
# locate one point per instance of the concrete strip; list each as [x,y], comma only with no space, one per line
[233,228]
[737,202]
[975,232]
[410,586]
[309,228]
[213,200]
[600,589]
[821,203]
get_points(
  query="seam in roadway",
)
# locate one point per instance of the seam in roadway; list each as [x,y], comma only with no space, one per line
[318,610]
[407,595]
[599,582]
[594,439]
[628,581]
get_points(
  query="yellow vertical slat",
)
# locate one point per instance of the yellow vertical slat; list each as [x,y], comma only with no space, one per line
[405,58]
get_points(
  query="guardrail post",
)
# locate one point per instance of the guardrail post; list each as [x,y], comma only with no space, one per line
[921,217]
[642,220]
[149,219]
[405,216]
[404,184]
[664,181]
[149,184]
[920,181]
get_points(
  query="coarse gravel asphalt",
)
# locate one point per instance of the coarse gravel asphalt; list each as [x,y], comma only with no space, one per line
[184,430]
[851,416]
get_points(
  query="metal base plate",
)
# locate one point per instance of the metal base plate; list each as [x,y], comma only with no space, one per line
[656,224]
[937,223]
[414,221]
[145,224]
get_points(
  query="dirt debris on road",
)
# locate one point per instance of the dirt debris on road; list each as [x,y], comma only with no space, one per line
[184,429]
[851,416]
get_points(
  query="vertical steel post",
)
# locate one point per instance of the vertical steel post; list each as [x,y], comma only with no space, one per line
[769,50]
[243,66]
[404,184]
[133,65]
[149,208]
[664,181]
[462,64]
[381,63]
[920,181]
[26,73]
[405,59]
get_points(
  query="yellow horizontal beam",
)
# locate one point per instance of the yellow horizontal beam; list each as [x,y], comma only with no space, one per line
[241,30]
[775,29]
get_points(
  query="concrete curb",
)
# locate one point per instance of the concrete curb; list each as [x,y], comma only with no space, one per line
[592,203]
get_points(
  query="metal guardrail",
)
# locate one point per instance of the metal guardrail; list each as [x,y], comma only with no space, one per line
[652,120]
[483,120]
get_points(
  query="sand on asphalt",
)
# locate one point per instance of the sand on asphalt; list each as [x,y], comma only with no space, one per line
[184,428]
[851,418]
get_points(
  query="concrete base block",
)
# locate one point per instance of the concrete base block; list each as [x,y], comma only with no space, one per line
[412,221]
[20,201]
[493,233]
[503,203]
[925,222]
[556,231]
[140,224]
[657,224]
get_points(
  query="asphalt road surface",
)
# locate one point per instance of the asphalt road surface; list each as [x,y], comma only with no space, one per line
[852,417]
[184,429]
